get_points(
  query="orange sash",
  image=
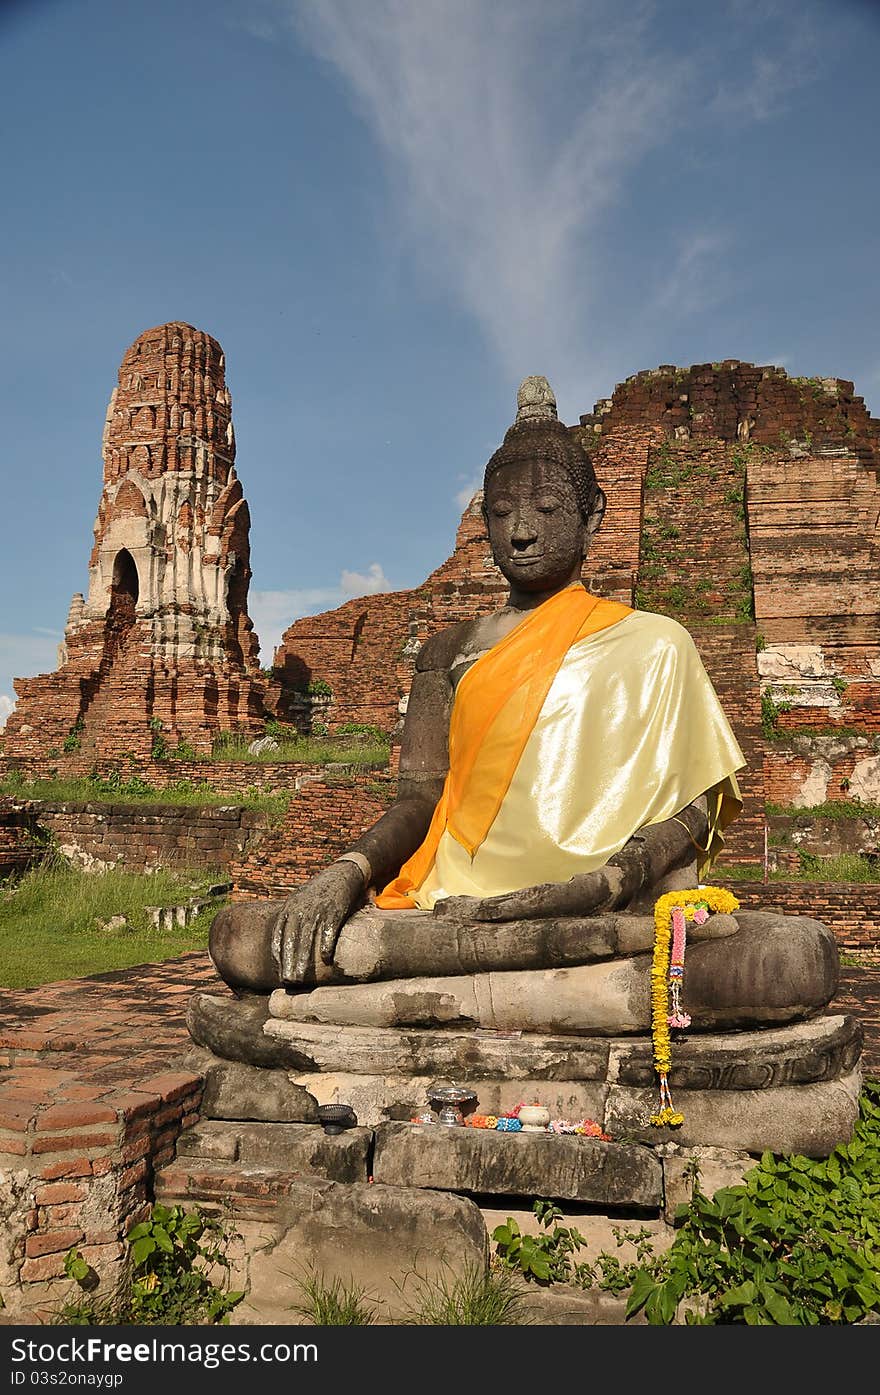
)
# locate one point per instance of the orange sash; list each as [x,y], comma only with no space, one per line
[496,706]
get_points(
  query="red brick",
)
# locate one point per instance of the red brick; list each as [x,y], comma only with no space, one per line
[56,1217]
[15,1146]
[71,1142]
[58,1193]
[129,1175]
[50,1242]
[172,1085]
[75,1115]
[38,1270]
[139,1148]
[67,1167]
[133,1104]
[15,1118]
[100,1237]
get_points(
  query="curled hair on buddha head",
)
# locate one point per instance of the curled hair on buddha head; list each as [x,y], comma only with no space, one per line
[538,434]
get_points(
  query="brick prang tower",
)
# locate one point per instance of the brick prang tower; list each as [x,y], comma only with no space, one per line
[161,651]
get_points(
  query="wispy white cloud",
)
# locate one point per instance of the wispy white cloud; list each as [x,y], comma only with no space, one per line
[6,706]
[273,611]
[509,131]
[764,83]
[464,495]
[699,277]
[512,131]
[368,583]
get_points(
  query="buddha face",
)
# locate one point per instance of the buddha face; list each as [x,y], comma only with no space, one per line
[539,536]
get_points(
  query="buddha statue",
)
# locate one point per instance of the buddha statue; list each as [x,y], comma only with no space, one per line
[564,762]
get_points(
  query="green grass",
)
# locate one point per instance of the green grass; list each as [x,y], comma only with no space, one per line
[332,1302]
[50,921]
[92,790]
[310,750]
[848,867]
[834,809]
[472,1298]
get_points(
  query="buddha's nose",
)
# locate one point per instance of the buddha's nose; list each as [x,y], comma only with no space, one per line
[524,531]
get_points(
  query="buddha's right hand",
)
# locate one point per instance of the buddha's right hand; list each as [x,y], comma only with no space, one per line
[317,910]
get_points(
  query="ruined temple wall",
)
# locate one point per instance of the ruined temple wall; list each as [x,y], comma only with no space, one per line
[322,821]
[740,401]
[142,838]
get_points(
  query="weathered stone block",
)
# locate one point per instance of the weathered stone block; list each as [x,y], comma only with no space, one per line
[808,1119]
[487,1161]
[234,1090]
[715,1168]
[367,1235]
[295,1149]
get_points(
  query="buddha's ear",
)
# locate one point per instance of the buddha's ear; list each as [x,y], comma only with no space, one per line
[597,513]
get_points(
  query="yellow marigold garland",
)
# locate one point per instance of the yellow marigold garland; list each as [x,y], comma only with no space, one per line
[688,903]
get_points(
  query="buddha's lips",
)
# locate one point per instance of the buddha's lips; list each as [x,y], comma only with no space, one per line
[520,558]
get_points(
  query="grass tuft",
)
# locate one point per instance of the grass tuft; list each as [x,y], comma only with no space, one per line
[332,1302]
[474,1298]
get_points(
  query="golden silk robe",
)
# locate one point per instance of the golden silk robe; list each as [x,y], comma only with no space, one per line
[586,723]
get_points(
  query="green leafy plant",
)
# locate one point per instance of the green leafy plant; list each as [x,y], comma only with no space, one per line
[183,751]
[319,688]
[166,1279]
[72,740]
[797,1243]
[159,749]
[770,713]
[546,1258]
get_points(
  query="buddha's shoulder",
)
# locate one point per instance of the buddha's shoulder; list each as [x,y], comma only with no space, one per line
[461,643]
[659,632]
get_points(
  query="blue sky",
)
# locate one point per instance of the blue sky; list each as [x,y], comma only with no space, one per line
[389,212]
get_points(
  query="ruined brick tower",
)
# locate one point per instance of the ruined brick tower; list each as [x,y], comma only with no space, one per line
[161,651]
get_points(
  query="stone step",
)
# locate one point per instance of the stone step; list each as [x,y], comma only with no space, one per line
[489,1162]
[370,1236]
[297,1150]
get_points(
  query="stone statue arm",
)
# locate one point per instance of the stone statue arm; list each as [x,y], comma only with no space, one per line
[642,863]
[319,908]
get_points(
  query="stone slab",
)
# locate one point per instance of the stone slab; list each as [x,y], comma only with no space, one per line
[821,1048]
[234,1090]
[296,1149]
[488,1162]
[363,1234]
[473,1055]
[818,1049]
[715,1168]
[807,1119]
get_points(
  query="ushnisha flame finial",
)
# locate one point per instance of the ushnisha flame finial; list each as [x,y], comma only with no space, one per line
[535,400]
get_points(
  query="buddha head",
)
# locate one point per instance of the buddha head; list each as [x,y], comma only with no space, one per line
[541,500]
